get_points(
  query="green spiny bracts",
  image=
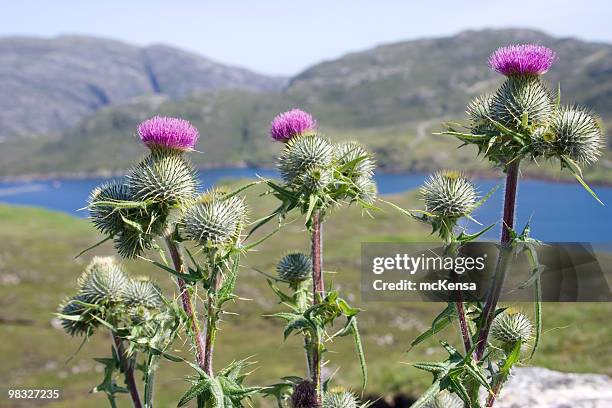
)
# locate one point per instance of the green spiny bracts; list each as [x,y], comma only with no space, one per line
[163,177]
[479,112]
[316,179]
[103,282]
[294,267]
[131,244]
[577,134]
[510,328]
[302,153]
[215,220]
[143,292]
[347,152]
[366,189]
[449,194]
[105,216]
[520,97]
[339,400]
[445,399]
[74,307]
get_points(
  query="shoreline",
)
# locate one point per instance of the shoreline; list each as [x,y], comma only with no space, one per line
[101,174]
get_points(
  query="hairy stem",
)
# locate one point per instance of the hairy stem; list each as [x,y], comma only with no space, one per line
[503,263]
[211,325]
[128,371]
[318,292]
[465,330]
[149,380]
[179,266]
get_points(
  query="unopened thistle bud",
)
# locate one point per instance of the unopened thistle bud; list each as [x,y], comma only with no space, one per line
[164,178]
[449,194]
[290,124]
[510,328]
[75,308]
[343,399]
[479,112]
[103,282]
[577,134]
[304,153]
[215,220]
[354,152]
[105,216]
[317,179]
[294,267]
[366,189]
[163,133]
[445,399]
[143,292]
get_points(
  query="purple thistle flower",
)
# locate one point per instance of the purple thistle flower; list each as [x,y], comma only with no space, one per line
[168,133]
[292,123]
[524,59]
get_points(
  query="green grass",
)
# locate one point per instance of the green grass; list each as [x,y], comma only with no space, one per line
[38,269]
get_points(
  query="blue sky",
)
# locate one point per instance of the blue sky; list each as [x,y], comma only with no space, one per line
[284,37]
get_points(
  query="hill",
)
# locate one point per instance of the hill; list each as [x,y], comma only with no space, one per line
[48,85]
[391,97]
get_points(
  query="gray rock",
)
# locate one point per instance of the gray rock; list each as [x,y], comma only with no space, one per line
[535,387]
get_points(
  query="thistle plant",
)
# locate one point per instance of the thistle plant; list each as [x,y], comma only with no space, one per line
[522,121]
[157,204]
[317,177]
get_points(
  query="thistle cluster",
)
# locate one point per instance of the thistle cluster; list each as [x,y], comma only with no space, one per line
[525,119]
[106,293]
[319,173]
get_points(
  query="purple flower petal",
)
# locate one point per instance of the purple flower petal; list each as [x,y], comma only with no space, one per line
[169,133]
[290,124]
[524,59]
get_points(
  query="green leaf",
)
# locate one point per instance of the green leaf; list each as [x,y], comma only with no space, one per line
[512,359]
[199,388]
[439,323]
[427,396]
[93,246]
[360,353]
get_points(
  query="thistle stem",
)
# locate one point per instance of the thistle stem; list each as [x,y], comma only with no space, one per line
[211,325]
[179,267]
[318,292]
[465,331]
[128,371]
[503,261]
[149,380]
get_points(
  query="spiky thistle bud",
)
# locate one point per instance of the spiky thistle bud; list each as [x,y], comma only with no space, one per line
[74,307]
[105,216]
[215,220]
[103,282]
[143,292]
[305,395]
[164,178]
[316,179]
[343,399]
[577,134]
[163,133]
[366,189]
[302,154]
[510,328]
[294,267]
[290,124]
[479,112]
[354,152]
[445,399]
[520,98]
[449,194]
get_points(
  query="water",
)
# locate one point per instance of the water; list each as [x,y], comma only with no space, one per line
[562,212]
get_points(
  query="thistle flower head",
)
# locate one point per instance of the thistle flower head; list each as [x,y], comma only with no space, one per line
[449,194]
[290,124]
[163,178]
[305,395]
[577,134]
[143,292]
[366,189]
[445,399]
[316,179]
[215,220]
[294,267]
[74,307]
[523,59]
[342,399]
[105,217]
[103,281]
[168,133]
[510,328]
[304,153]
[354,152]
[131,243]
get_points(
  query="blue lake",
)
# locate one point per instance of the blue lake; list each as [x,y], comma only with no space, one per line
[562,212]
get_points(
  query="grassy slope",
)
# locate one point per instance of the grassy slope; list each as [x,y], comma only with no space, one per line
[39,246]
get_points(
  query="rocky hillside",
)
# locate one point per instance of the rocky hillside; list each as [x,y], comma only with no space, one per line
[49,85]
